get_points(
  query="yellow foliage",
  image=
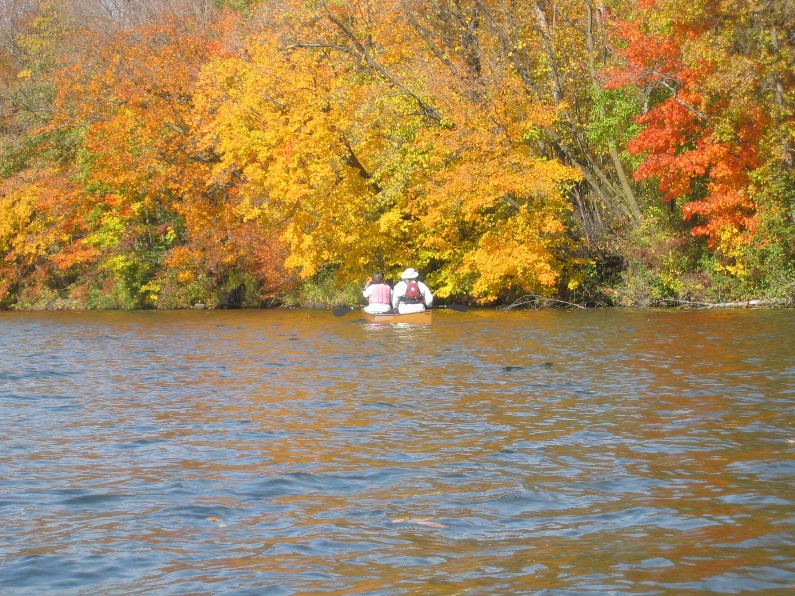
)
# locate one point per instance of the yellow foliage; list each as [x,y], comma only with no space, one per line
[281,150]
[18,208]
[523,254]
[28,218]
[732,247]
[292,148]
[185,277]
[150,291]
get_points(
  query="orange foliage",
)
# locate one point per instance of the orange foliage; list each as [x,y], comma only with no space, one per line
[178,156]
[706,134]
[142,162]
[42,228]
[325,136]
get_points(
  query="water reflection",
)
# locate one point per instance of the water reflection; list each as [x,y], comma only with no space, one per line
[295,452]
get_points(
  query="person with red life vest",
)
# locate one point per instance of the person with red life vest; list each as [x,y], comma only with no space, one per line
[411,295]
[378,294]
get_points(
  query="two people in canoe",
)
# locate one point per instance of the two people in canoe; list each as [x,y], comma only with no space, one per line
[409,295]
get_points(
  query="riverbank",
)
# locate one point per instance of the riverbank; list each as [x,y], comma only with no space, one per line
[529,302]
[605,289]
[536,302]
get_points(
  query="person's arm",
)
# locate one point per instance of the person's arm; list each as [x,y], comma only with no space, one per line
[426,294]
[396,293]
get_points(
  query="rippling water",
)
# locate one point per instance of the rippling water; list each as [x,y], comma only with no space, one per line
[271,452]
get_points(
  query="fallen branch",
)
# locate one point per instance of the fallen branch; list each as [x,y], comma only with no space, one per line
[740,304]
[533,300]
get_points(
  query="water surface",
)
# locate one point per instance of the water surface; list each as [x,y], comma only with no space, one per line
[292,452]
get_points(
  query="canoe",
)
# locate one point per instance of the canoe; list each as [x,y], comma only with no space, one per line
[417,318]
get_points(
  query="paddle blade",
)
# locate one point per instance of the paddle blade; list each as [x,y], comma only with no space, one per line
[342,310]
[458,307]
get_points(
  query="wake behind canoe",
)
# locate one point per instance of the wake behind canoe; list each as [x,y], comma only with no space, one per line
[416,318]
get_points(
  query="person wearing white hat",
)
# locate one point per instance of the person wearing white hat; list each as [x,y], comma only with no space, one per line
[409,294]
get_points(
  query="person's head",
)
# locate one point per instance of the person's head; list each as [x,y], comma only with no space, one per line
[409,274]
[378,277]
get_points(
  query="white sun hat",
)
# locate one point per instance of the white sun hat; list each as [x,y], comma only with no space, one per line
[409,274]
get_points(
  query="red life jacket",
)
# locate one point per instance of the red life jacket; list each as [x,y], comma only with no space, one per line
[413,293]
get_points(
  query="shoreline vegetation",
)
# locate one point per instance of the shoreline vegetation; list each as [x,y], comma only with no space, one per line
[527,302]
[263,154]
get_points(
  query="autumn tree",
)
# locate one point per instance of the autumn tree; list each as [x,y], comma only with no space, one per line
[717,76]
[139,223]
[32,185]
[367,153]
[148,172]
[556,49]
[171,151]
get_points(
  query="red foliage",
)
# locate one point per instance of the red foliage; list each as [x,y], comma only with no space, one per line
[700,141]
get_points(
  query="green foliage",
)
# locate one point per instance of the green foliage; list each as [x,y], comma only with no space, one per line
[612,120]
[42,146]
[173,293]
[15,155]
[770,259]
[128,279]
[37,299]
[661,258]
[325,288]
[242,5]
[665,264]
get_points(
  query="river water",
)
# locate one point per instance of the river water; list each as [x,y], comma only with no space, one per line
[292,452]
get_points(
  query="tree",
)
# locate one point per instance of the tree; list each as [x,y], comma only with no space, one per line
[143,164]
[364,155]
[717,75]
[555,48]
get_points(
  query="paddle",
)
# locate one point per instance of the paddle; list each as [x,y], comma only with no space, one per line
[344,310]
[455,307]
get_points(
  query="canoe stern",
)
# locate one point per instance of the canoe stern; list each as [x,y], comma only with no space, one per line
[415,318]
